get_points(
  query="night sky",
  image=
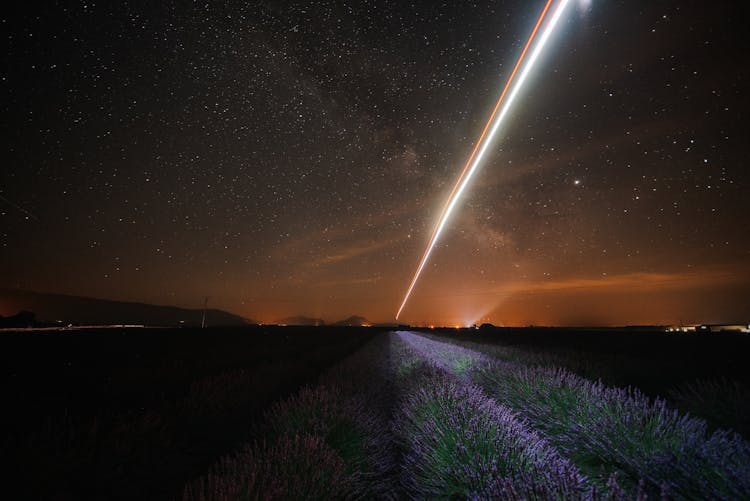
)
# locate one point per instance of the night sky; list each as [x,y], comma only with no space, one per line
[291,158]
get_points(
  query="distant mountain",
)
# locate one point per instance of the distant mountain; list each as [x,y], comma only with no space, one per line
[301,320]
[353,321]
[85,310]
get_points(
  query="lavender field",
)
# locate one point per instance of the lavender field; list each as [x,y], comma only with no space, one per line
[410,417]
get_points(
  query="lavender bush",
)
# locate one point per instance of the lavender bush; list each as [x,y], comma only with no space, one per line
[570,359]
[292,468]
[619,429]
[460,444]
[331,423]
[625,430]
[455,359]
[344,423]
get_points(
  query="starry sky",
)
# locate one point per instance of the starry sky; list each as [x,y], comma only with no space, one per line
[291,158]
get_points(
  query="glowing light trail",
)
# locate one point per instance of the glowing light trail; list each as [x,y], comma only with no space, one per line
[485,139]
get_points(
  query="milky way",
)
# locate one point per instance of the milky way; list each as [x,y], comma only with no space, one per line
[291,158]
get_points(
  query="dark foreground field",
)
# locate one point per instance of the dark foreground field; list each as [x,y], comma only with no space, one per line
[134,414]
[411,416]
[220,415]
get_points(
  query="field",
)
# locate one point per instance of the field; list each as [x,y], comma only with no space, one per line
[703,374]
[134,414]
[323,413]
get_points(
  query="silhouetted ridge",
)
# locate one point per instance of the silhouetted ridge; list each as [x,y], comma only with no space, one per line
[60,308]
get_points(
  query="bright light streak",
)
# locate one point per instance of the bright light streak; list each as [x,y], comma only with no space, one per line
[485,139]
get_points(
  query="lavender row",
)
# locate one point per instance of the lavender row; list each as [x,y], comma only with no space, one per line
[457,443]
[723,402]
[290,468]
[329,441]
[623,429]
[618,429]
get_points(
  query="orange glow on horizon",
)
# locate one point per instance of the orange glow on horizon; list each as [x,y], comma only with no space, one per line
[622,299]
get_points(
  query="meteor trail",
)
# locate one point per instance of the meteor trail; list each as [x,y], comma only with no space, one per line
[492,125]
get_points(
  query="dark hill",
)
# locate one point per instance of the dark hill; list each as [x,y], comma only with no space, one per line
[59,308]
[353,321]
